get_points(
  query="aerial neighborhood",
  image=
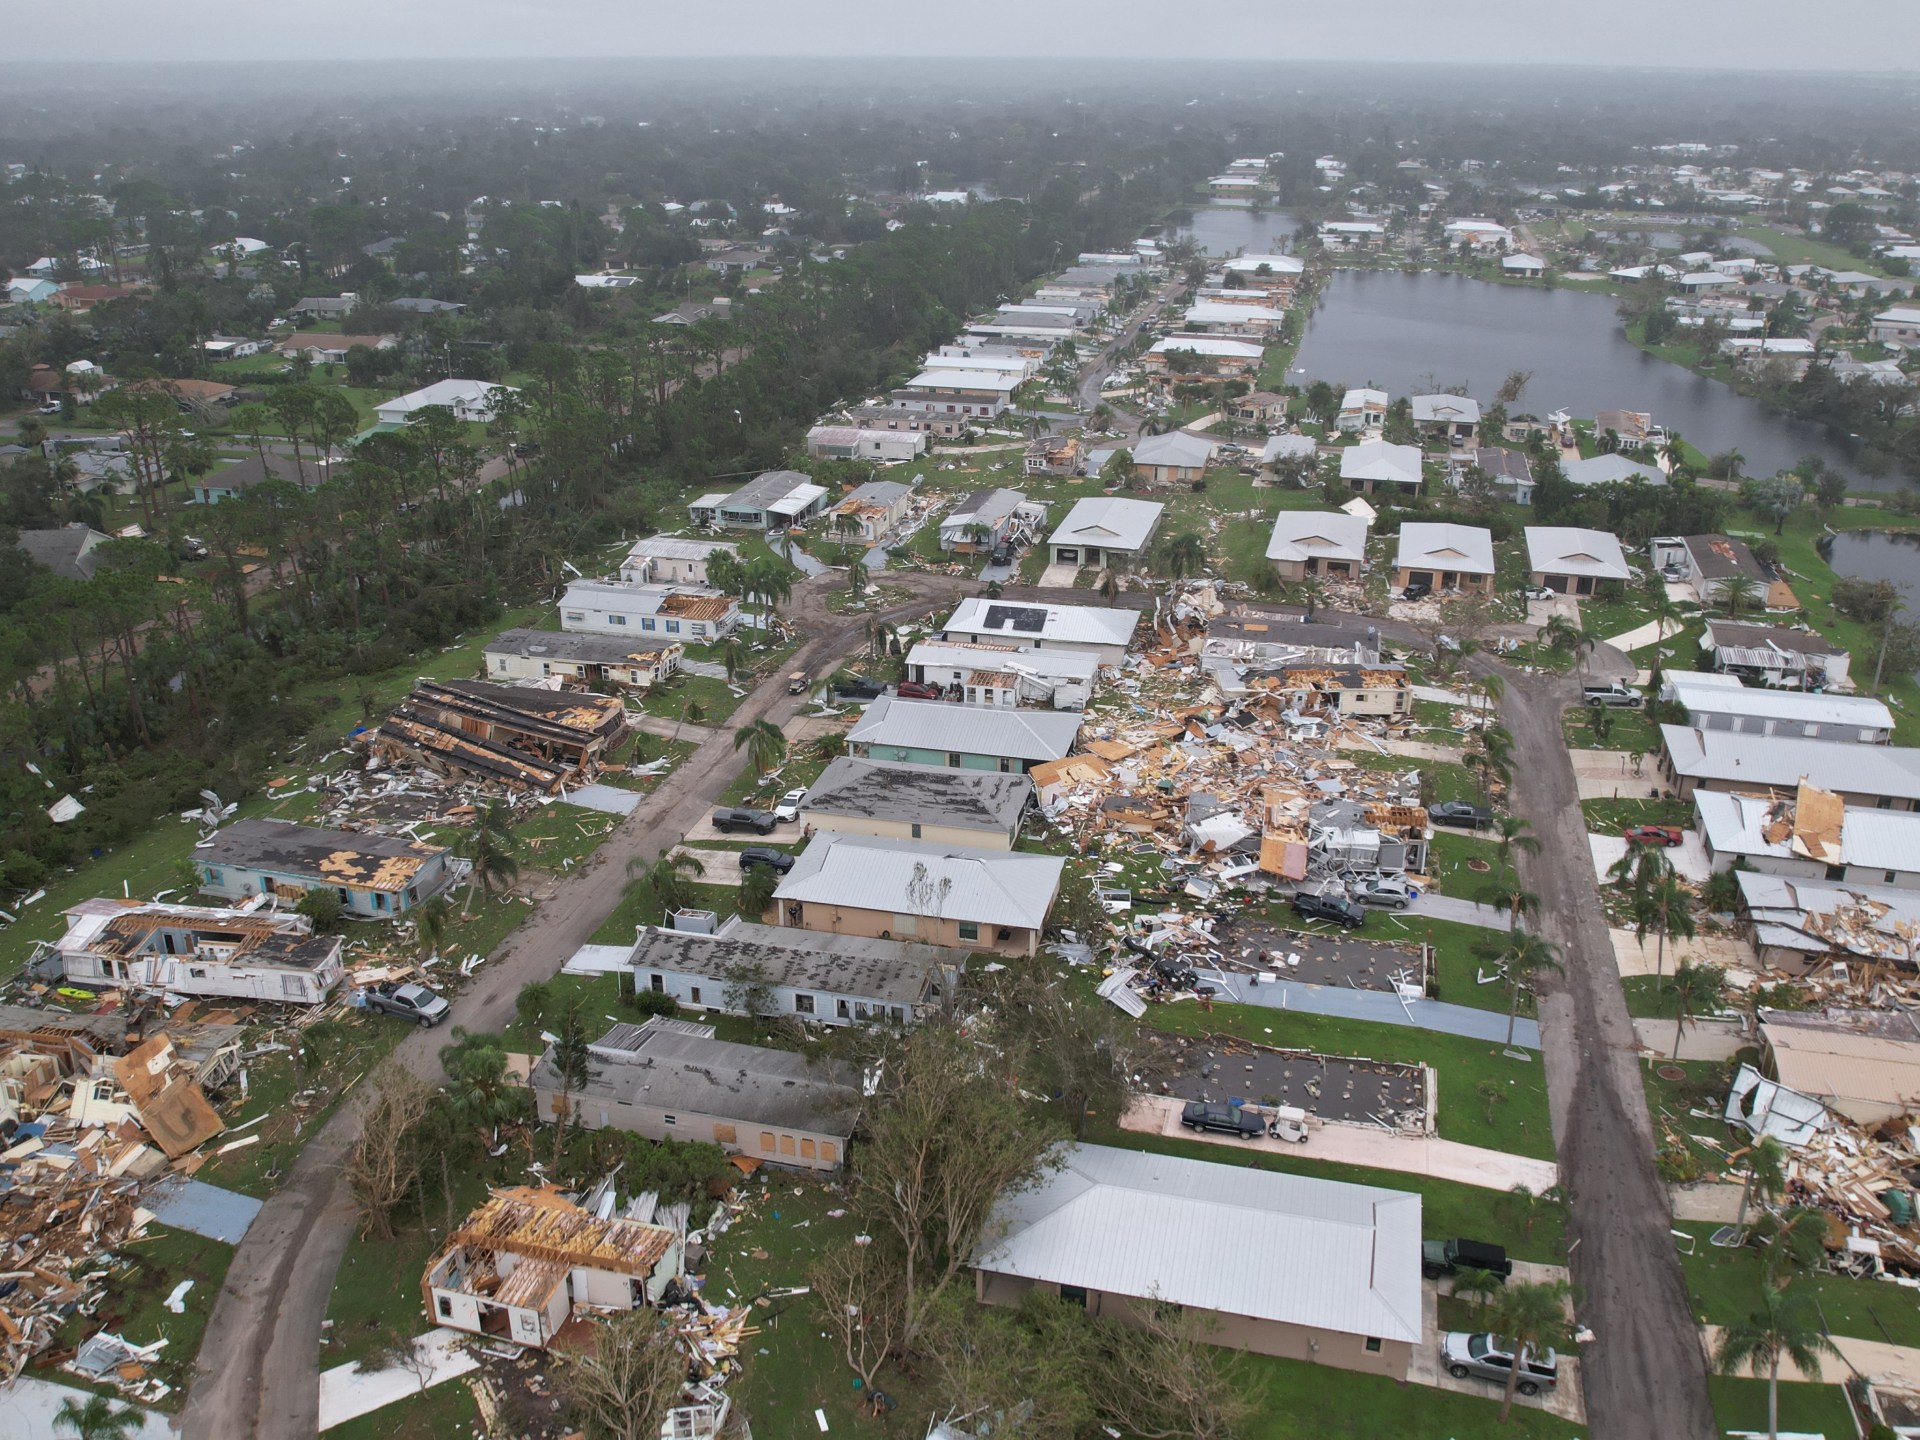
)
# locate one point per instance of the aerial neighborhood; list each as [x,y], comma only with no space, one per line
[714,793]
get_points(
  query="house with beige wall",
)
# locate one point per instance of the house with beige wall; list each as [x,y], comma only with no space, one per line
[981,808]
[968,898]
[1444,557]
[672,1080]
[1278,1264]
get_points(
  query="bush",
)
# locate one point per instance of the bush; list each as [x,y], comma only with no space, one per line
[650,1002]
[323,908]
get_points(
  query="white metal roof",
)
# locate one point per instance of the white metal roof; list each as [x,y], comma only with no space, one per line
[1570,550]
[949,379]
[1601,469]
[1317,535]
[966,655]
[1318,1253]
[680,547]
[1057,624]
[1782,761]
[1278,264]
[1381,461]
[1452,409]
[1213,312]
[1280,446]
[1365,399]
[1175,447]
[1466,548]
[985,887]
[1112,522]
[1798,705]
[1217,346]
[967,729]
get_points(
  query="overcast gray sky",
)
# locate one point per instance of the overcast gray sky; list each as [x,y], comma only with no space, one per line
[1703,34]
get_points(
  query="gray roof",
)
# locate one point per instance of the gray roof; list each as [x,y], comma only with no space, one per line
[1443,546]
[1317,1253]
[306,472]
[1782,761]
[1605,469]
[1737,636]
[68,551]
[1875,839]
[877,492]
[969,799]
[1880,921]
[1030,735]
[1176,447]
[1110,522]
[896,972]
[987,887]
[421,305]
[1700,696]
[1721,557]
[1450,409]
[669,1068]
[984,507]
[586,649]
[765,490]
[1317,535]
[347,857]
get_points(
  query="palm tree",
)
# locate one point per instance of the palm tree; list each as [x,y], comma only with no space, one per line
[96,1419]
[478,1088]
[1530,1317]
[1791,1242]
[1479,1288]
[1183,555]
[766,747]
[431,922]
[1663,907]
[488,848]
[1560,635]
[1766,1175]
[1492,690]
[733,655]
[1695,988]
[1777,1329]
[692,713]
[669,879]
[857,575]
[756,891]
[1737,593]
[1511,839]
[1526,955]
[1109,586]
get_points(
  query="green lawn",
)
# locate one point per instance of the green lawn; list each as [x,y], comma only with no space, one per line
[1298,1401]
[673,700]
[1520,1123]
[1805,250]
[1741,1404]
[1682,1137]
[145,1275]
[1611,817]
[1449,859]
[1724,1283]
[1460,953]
[1627,730]
[445,1410]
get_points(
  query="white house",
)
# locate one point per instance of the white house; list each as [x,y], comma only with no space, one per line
[236,954]
[1098,630]
[467,399]
[1713,704]
[1480,234]
[1105,530]
[1573,561]
[1317,542]
[1523,265]
[673,559]
[1375,466]
[1444,557]
[1362,412]
[851,442]
[690,614]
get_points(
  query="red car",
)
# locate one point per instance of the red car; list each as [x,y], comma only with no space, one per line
[914,690]
[1655,834]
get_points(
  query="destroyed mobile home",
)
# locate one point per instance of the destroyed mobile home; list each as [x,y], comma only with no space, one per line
[523,737]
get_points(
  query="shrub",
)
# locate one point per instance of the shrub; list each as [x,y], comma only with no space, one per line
[650,1002]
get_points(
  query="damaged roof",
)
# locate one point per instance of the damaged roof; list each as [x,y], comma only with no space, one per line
[338,857]
[895,971]
[872,790]
[545,1227]
[580,648]
[966,729]
[987,887]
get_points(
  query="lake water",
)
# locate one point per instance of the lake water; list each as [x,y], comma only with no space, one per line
[1234,229]
[1877,555]
[1405,332]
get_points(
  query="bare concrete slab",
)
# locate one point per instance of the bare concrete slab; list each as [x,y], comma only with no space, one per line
[1221,1068]
[1689,857]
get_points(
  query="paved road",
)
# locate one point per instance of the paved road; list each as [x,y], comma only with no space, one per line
[1645,1374]
[1086,393]
[257,1374]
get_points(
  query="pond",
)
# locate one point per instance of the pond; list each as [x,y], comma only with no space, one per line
[1234,229]
[1407,332]
[1892,555]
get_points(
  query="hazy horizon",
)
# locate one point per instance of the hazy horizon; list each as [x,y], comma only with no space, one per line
[1859,36]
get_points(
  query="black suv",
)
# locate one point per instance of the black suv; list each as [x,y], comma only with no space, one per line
[1227,1119]
[1418,590]
[777,861]
[858,687]
[761,822]
[1337,908]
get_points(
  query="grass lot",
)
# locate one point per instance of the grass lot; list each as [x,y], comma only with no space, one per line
[671,700]
[1520,1125]
[1460,953]
[1611,817]
[1298,1401]
[1630,730]
[1681,1134]
[1448,860]
[1724,1284]
[1741,1404]
[448,1409]
[638,907]
[1442,779]
[135,1307]
[1804,250]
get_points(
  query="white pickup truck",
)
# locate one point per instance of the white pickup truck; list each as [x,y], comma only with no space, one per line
[1615,696]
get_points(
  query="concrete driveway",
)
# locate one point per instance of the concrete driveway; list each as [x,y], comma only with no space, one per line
[1566,1400]
[1689,858]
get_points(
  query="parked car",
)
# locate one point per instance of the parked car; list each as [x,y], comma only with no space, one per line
[915,690]
[1418,590]
[1226,1119]
[1386,890]
[1536,592]
[756,856]
[1000,556]
[1450,1257]
[1460,812]
[787,810]
[1336,908]
[1656,834]
[1486,1357]
[726,821]
[858,687]
[1615,696]
[409,1002]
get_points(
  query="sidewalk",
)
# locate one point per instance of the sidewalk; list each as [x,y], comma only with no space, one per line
[1379,1007]
[346,1393]
[1895,1366]
[1643,635]
[1377,1149]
